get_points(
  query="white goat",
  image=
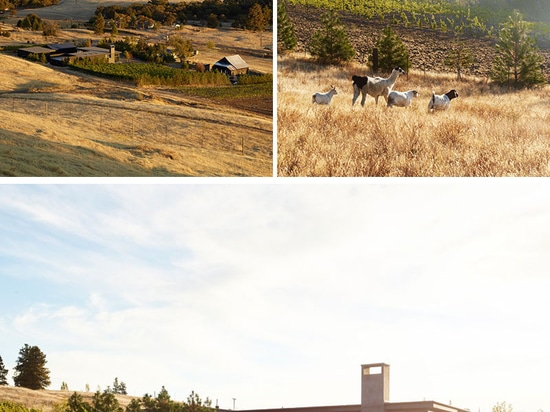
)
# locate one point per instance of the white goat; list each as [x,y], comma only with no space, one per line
[401,99]
[324,98]
[374,86]
[442,101]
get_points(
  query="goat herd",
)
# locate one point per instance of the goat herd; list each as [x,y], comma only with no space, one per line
[378,86]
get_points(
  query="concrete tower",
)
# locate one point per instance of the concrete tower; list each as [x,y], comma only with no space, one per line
[375,387]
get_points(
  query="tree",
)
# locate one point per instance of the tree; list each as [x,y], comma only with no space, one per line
[50,28]
[286,31]
[392,51]
[182,48]
[119,387]
[258,19]
[98,24]
[3,373]
[517,62]
[502,407]
[75,403]
[30,370]
[331,44]
[105,402]
[196,404]
[212,21]
[31,22]
[458,57]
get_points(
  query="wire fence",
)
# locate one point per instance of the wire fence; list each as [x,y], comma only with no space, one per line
[151,126]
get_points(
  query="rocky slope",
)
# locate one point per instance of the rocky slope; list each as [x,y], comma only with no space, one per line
[427,48]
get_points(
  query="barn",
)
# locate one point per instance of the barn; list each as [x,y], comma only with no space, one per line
[231,65]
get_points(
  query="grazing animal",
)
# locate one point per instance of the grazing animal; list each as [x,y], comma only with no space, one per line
[324,98]
[441,101]
[374,86]
[401,99]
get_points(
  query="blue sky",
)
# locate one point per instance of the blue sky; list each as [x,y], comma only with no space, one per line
[275,294]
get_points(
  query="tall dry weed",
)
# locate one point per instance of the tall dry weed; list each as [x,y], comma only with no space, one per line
[486,132]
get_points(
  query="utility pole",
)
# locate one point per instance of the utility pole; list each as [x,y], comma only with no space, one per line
[234,399]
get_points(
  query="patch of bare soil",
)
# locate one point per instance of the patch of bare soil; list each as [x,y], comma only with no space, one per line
[427,48]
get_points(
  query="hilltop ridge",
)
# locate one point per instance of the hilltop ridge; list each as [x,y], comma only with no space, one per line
[46,400]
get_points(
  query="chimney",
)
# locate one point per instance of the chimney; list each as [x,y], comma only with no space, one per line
[375,387]
[113,54]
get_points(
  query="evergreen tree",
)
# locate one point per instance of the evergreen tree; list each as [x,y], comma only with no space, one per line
[331,44]
[119,387]
[286,32]
[3,373]
[392,51]
[518,61]
[75,403]
[458,57]
[31,371]
[105,402]
[99,24]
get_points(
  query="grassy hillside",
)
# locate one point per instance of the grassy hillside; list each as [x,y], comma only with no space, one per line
[65,124]
[485,132]
[46,400]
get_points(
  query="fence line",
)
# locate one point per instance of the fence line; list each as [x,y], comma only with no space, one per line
[151,125]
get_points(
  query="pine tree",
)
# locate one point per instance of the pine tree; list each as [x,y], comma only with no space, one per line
[30,370]
[99,24]
[286,32]
[331,44]
[458,57]
[392,51]
[3,373]
[518,61]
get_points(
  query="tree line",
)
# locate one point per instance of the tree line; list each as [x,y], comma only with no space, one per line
[518,62]
[245,14]
[14,4]
[31,372]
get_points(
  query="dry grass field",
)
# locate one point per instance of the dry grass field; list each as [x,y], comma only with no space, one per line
[46,400]
[56,123]
[486,132]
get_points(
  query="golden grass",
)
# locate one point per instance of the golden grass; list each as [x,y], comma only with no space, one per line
[58,124]
[484,133]
[46,400]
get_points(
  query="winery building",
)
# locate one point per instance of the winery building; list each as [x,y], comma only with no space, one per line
[375,397]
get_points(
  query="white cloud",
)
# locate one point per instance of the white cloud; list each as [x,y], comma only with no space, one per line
[275,294]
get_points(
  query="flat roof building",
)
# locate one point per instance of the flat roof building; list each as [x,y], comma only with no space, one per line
[375,397]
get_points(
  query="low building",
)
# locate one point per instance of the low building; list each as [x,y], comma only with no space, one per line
[93,53]
[35,50]
[375,397]
[231,65]
[62,54]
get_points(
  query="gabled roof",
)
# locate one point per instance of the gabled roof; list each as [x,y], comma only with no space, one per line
[235,62]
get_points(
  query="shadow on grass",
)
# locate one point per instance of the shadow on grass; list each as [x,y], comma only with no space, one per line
[26,155]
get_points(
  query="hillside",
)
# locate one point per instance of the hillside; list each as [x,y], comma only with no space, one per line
[47,399]
[61,123]
[427,48]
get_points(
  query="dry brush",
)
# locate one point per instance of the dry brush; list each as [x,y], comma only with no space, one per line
[486,132]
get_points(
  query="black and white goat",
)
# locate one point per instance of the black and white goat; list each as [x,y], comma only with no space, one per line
[401,99]
[374,86]
[324,98]
[442,101]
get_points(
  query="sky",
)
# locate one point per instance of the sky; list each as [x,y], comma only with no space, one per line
[274,294]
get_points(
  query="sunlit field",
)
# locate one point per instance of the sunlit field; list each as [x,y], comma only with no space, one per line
[486,131]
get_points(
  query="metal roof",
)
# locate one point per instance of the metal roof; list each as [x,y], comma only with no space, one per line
[234,61]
